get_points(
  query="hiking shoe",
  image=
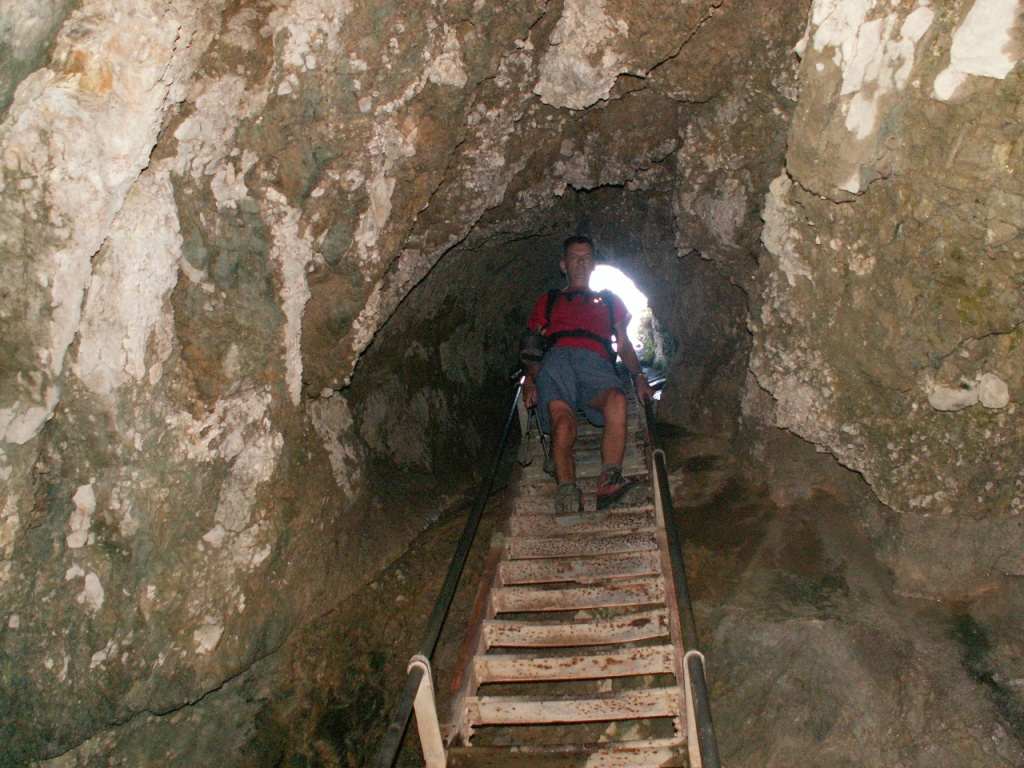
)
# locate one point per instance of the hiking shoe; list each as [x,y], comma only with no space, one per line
[615,490]
[568,499]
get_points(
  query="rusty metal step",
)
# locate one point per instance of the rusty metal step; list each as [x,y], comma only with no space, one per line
[531,599]
[587,523]
[541,501]
[524,547]
[587,467]
[507,668]
[592,444]
[650,753]
[585,429]
[589,464]
[628,628]
[623,565]
[589,437]
[592,447]
[535,710]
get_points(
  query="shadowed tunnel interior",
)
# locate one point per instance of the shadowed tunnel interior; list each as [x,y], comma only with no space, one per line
[263,270]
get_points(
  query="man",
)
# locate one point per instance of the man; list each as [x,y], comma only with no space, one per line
[578,372]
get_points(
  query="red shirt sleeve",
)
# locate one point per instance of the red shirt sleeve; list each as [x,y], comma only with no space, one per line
[536,321]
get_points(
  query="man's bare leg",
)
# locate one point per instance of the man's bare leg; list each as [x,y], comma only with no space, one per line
[563,438]
[568,500]
[612,404]
[612,487]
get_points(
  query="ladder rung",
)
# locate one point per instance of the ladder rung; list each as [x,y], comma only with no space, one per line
[535,474]
[580,570]
[558,525]
[585,429]
[575,546]
[633,627]
[506,668]
[648,753]
[526,599]
[531,504]
[538,710]
[588,468]
[586,445]
[588,448]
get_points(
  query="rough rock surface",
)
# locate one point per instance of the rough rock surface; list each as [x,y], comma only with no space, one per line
[263,266]
[793,606]
[889,323]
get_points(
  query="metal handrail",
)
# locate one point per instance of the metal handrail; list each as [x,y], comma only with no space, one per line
[396,730]
[694,661]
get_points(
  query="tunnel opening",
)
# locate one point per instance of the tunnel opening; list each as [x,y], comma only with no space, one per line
[654,346]
[606,277]
[447,351]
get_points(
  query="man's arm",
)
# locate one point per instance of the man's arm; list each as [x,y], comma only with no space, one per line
[531,350]
[530,371]
[632,363]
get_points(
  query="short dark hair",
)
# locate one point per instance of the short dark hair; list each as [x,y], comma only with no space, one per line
[577,240]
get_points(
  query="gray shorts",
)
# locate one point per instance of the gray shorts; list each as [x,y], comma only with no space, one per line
[575,376]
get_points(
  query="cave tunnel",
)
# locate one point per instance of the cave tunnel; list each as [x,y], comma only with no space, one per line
[264,269]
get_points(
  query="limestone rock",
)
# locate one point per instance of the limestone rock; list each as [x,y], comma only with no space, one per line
[567,76]
[263,266]
[953,399]
[981,46]
[851,341]
[29,29]
[858,61]
[993,391]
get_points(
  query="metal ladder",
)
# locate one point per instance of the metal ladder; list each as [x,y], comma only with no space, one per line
[574,655]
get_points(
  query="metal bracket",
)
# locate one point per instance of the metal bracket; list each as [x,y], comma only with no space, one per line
[659,510]
[426,715]
[526,417]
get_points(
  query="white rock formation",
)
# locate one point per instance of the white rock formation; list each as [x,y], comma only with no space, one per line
[983,46]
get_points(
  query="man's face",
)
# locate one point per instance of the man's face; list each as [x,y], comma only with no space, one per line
[578,263]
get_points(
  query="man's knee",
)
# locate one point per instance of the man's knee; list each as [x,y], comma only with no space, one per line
[560,413]
[612,403]
[563,420]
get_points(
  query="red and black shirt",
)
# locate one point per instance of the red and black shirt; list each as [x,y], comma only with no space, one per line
[579,310]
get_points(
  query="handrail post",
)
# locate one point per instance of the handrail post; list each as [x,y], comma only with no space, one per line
[692,730]
[396,730]
[426,716]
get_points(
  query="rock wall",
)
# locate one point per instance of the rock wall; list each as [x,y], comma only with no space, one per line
[152,504]
[27,31]
[888,325]
[260,260]
[219,356]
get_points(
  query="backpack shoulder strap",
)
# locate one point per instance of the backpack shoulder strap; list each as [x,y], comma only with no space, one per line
[608,297]
[553,295]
